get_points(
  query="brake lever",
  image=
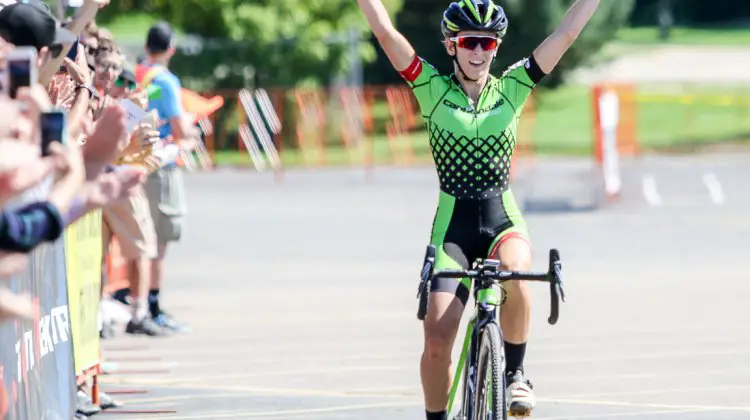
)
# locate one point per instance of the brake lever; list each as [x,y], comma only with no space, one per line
[558,280]
[427,268]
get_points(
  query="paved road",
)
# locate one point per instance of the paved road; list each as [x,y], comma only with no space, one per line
[302,297]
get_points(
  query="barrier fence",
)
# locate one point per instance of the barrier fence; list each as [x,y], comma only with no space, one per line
[275,129]
[41,360]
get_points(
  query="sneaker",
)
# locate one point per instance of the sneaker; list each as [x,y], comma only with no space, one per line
[106,402]
[107,331]
[167,322]
[146,326]
[520,394]
[85,406]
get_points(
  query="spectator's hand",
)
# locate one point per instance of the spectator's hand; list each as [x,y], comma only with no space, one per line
[140,98]
[79,69]
[13,306]
[107,141]
[16,181]
[21,168]
[36,101]
[145,136]
[110,187]
[68,162]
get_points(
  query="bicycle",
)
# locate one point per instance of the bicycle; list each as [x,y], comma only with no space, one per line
[483,342]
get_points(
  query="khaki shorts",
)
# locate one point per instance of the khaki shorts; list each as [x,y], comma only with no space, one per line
[130,221]
[166,195]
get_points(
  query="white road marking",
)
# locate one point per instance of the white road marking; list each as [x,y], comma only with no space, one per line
[715,189]
[650,192]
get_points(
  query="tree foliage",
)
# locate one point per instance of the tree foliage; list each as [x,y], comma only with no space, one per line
[281,42]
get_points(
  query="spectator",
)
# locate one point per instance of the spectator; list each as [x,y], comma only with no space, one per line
[165,186]
[80,174]
[31,24]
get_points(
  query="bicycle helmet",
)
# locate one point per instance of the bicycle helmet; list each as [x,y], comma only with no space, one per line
[474,15]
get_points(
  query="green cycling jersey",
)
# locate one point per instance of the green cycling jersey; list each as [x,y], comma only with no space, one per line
[472,144]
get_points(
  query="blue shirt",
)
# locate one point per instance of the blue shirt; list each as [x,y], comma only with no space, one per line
[169,103]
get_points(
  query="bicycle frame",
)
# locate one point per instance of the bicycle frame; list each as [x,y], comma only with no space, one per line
[486,309]
[489,296]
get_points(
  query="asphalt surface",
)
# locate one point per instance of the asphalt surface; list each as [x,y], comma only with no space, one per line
[302,296]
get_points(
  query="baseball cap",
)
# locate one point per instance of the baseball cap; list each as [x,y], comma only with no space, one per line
[29,23]
[159,37]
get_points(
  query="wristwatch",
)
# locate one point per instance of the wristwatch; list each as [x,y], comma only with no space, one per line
[91,89]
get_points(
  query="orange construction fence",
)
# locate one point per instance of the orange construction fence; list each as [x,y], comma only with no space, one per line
[341,126]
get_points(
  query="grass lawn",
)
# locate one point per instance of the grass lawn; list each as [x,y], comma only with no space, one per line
[739,36]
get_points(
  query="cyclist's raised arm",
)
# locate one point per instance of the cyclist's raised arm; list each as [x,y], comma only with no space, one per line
[551,50]
[394,44]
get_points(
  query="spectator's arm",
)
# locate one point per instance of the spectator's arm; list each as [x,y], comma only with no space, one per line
[77,210]
[172,95]
[23,229]
[86,15]
[81,74]
[78,113]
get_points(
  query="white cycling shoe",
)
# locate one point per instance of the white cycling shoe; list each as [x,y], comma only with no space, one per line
[520,394]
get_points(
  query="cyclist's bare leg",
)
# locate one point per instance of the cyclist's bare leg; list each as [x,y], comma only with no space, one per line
[515,255]
[514,252]
[440,328]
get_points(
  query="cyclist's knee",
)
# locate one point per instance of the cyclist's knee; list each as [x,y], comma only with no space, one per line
[441,324]
[514,254]
[517,261]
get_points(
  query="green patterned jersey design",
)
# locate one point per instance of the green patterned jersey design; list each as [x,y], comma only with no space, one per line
[472,146]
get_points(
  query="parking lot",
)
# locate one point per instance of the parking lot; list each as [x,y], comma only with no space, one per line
[302,296]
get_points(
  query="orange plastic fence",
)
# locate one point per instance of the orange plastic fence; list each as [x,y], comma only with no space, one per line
[377,124]
[311,123]
[117,269]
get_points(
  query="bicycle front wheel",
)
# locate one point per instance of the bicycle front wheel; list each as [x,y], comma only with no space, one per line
[489,396]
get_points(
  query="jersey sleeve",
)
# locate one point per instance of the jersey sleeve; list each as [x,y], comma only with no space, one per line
[520,79]
[425,81]
[171,95]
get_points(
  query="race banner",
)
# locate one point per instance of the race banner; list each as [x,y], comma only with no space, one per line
[36,357]
[83,260]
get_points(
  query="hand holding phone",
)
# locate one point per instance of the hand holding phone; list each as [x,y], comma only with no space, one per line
[20,70]
[54,128]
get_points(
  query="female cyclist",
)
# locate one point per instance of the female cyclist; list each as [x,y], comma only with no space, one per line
[471,118]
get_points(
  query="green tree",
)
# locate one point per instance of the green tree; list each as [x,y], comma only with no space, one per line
[271,42]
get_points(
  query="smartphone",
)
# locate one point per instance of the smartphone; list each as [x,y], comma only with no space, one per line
[20,69]
[54,128]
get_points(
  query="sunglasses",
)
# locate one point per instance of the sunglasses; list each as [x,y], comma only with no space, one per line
[122,83]
[470,42]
